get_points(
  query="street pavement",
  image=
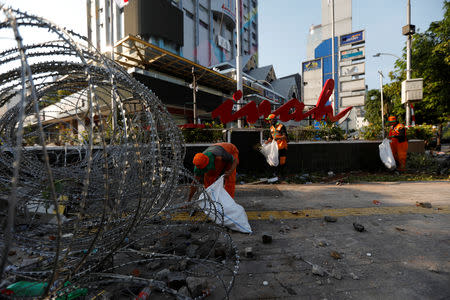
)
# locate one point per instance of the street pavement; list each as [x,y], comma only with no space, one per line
[403,253]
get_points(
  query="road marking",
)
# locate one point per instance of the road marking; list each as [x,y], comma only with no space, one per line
[320,213]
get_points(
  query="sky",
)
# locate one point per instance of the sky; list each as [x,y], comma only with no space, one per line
[284,27]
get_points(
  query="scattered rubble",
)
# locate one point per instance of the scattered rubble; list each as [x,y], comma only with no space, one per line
[317,270]
[248,252]
[266,239]
[424,204]
[358,227]
[330,219]
[335,255]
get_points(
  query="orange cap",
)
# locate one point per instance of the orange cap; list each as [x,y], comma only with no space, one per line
[392,119]
[200,160]
[270,117]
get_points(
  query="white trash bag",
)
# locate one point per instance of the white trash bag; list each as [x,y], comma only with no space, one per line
[234,216]
[386,154]
[270,151]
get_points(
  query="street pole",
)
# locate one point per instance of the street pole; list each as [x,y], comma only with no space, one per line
[194,96]
[333,104]
[113,93]
[408,60]
[238,58]
[97,24]
[382,102]
[89,22]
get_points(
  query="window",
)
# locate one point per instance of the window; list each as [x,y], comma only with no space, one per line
[203,24]
[254,36]
[254,26]
[189,14]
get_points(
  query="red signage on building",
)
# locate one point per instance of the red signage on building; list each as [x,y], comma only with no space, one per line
[291,110]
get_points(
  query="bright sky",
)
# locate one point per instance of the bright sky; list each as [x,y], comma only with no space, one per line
[284,26]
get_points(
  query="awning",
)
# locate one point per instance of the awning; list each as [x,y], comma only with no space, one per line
[133,52]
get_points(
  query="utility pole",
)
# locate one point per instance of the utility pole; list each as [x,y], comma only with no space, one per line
[238,57]
[89,22]
[333,103]
[97,24]
[194,95]
[382,102]
[408,58]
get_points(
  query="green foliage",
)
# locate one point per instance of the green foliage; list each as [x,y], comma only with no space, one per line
[421,132]
[372,132]
[330,131]
[422,162]
[198,135]
[307,133]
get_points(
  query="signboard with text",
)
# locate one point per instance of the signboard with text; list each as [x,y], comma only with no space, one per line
[312,81]
[354,53]
[352,38]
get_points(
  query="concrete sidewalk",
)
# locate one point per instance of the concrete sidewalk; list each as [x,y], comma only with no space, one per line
[404,252]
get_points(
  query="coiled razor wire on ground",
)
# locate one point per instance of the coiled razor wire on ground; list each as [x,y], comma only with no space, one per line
[92,188]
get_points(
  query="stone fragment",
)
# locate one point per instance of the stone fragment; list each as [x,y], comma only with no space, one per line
[191,250]
[183,291]
[335,274]
[425,204]
[266,239]
[330,219]
[162,275]
[317,270]
[197,286]
[176,280]
[248,252]
[354,276]
[335,255]
[358,227]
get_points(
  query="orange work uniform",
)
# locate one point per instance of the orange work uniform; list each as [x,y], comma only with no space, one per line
[221,164]
[277,132]
[399,145]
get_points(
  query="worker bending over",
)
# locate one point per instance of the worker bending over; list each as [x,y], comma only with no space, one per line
[218,159]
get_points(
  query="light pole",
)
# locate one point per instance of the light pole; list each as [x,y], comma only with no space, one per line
[238,56]
[382,102]
[381,53]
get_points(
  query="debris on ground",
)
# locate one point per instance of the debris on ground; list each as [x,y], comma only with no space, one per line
[358,227]
[376,202]
[266,239]
[265,282]
[424,204]
[330,219]
[331,173]
[294,212]
[248,252]
[335,274]
[272,180]
[335,255]
[369,254]
[271,219]
[354,276]
[400,229]
[433,269]
[317,270]
[285,229]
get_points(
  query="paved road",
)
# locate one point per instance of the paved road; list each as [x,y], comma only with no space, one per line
[403,254]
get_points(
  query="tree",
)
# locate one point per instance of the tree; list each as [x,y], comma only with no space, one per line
[430,60]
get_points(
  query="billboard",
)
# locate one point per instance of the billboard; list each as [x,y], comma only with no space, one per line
[354,69]
[354,53]
[312,81]
[356,100]
[352,38]
[353,85]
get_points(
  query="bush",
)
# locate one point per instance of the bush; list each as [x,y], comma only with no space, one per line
[198,135]
[422,162]
[372,132]
[421,132]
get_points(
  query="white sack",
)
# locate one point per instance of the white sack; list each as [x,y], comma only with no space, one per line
[270,151]
[234,216]
[386,154]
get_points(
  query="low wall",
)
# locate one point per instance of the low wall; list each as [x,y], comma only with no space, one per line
[308,156]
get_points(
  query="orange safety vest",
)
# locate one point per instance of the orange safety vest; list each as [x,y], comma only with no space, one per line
[395,132]
[276,135]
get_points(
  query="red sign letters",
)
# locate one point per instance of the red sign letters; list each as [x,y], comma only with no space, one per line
[253,112]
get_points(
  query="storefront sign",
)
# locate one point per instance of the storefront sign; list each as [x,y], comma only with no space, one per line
[352,38]
[253,112]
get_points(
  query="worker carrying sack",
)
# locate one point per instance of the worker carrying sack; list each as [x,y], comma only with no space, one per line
[386,154]
[270,151]
[234,216]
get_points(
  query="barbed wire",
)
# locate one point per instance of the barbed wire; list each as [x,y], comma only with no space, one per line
[92,186]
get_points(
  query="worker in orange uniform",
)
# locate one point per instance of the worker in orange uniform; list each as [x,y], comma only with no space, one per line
[218,159]
[399,142]
[278,133]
